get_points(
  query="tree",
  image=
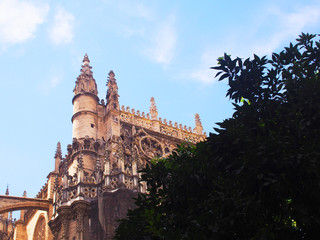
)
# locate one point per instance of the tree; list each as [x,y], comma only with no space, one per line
[258,176]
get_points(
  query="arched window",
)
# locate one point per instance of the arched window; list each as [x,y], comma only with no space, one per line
[40,230]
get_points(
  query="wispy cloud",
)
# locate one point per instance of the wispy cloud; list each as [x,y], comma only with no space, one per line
[51,83]
[62,30]
[257,39]
[291,25]
[163,42]
[19,20]
[203,73]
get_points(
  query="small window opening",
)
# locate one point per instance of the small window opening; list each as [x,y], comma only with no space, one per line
[92,125]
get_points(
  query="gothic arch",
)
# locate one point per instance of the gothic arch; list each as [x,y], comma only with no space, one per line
[40,228]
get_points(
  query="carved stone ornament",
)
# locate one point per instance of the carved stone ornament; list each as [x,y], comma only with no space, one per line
[151,147]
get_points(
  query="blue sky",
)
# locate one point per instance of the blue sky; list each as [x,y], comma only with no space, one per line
[156,48]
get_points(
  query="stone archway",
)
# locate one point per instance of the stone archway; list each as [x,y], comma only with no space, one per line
[40,229]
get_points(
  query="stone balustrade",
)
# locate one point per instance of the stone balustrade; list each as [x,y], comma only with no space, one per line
[163,126]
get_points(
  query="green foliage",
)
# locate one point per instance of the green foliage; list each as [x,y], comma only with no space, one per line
[258,177]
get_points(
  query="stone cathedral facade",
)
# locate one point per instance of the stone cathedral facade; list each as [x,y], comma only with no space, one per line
[92,186]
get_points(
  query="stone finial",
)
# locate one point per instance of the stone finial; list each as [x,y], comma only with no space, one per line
[111,74]
[86,60]
[24,194]
[198,129]
[58,157]
[7,191]
[112,93]
[58,153]
[153,109]
[85,81]
[86,68]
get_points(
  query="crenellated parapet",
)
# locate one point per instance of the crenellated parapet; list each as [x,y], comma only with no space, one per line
[43,193]
[165,127]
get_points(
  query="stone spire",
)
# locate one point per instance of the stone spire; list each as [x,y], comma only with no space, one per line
[58,151]
[85,82]
[7,191]
[198,129]
[112,93]
[153,109]
[57,157]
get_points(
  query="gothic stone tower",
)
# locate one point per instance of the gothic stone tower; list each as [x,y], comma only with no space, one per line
[97,179]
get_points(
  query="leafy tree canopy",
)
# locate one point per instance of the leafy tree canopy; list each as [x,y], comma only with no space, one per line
[258,176]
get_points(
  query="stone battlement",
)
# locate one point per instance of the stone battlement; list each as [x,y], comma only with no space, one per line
[162,126]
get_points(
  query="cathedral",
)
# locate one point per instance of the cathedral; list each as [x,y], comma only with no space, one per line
[94,184]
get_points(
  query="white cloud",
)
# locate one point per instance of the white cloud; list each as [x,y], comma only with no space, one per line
[49,84]
[285,27]
[296,21]
[164,42]
[203,73]
[62,29]
[19,20]
[290,25]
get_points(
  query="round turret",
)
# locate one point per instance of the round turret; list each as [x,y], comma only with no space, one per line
[85,104]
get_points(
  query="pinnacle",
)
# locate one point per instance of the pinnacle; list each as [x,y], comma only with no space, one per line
[112,96]
[86,68]
[86,59]
[111,74]
[197,120]
[7,191]
[153,109]
[58,151]
[85,81]
[198,128]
